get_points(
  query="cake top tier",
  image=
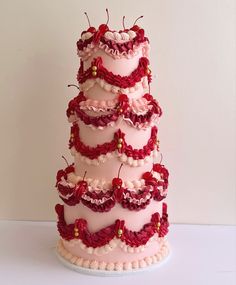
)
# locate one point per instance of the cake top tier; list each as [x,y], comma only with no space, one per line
[121,41]
[104,34]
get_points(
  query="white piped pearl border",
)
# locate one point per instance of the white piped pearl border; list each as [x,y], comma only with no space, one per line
[121,156]
[80,262]
[112,88]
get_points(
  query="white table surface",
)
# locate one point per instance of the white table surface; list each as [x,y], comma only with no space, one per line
[200,255]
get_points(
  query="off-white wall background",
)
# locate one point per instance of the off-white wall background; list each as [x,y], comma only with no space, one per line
[193,53]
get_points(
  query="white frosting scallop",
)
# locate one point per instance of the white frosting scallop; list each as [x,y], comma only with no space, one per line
[121,37]
[108,248]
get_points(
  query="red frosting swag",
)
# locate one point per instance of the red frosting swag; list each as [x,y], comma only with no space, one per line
[79,230]
[97,70]
[122,109]
[152,189]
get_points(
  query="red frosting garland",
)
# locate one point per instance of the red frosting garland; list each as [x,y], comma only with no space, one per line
[79,230]
[118,143]
[97,70]
[122,109]
[77,193]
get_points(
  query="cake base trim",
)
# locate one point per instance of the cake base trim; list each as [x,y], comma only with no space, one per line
[93,267]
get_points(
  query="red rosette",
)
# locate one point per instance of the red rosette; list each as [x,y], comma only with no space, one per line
[81,225]
[155,218]
[118,194]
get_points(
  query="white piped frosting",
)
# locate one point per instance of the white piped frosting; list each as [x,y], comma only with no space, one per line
[162,253]
[121,156]
[112,88]
[121,37]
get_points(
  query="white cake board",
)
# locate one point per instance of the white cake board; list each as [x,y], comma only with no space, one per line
[98,272]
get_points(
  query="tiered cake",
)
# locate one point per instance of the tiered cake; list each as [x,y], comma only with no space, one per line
[112,217]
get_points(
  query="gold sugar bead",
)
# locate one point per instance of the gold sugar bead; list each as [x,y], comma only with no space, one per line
[120,232]
[94,68]
[76,230]
[120,140]
[119,145]
[158,225]
[94,73]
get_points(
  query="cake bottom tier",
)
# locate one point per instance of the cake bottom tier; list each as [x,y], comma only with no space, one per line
[117,260]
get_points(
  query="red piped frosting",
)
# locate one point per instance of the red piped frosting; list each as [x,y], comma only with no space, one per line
[99,201]
[97,70]
[79,230]
[122,109]
[117,144]
[98,36]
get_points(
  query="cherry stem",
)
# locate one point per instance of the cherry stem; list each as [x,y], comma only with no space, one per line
[120,170]
[137,20]
[70,85]
[65,160]
[87,18]
[84,175]
[123,21]
[108,18]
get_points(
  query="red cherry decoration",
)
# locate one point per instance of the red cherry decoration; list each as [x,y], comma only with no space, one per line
[149,179]
[103,28]
[157,167]
[80,189]
[117,186]
[147,175]
[91,30]
[61,174]
[148,97]
[135,28]
[70,169]
[161,169]
[116,182]
[123,98]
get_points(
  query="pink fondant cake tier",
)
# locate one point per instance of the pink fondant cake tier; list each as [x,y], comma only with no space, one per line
[113,218]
